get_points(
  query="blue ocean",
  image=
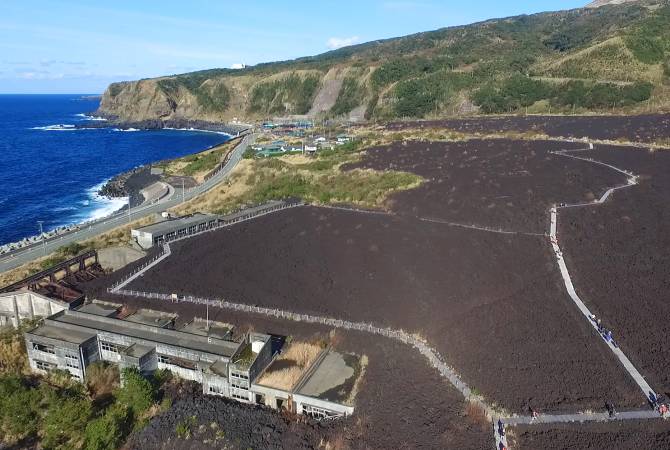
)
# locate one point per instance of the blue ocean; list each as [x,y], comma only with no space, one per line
[51,173]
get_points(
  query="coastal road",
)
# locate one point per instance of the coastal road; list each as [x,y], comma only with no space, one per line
[94,228]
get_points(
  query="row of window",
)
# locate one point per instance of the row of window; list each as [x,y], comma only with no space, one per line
[216,390]
[240,397]
[239,375]
[237,385]
[106,346]
[43,365]
[44,348]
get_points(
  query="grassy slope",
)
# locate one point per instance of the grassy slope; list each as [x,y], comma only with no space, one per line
[428,73]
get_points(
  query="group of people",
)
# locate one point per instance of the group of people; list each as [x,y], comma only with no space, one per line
[604,332]
[659,404]
[501,433]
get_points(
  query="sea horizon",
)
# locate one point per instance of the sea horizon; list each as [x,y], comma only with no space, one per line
[64,167]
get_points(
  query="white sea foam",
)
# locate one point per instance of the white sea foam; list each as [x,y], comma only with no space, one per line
[126,130]
[57,127]
[199,130]
[100,206]
[93,118]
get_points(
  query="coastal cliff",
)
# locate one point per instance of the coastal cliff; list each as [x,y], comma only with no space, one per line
[614,58]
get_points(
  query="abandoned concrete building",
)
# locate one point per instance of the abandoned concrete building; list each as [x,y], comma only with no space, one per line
[179,227]
[48,292]
[71,340]
[170,229]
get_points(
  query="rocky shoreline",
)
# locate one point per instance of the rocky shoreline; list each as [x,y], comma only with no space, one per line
[129,184]
[159,124]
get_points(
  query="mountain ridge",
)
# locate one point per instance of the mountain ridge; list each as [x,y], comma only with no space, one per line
[611,58]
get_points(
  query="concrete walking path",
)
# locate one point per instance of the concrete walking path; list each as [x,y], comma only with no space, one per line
[565,274]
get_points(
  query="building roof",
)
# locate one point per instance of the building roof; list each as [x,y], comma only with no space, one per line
[150,317]
[179,223]
[99,309]
[149,333]
[332,379]
[62,334]
[137,350]
[214,329]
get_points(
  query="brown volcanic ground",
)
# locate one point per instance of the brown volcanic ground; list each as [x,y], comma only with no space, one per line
[496,183]
[638,435]
[648,128]
[494,304]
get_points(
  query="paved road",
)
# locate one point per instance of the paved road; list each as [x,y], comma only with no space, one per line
[93,229]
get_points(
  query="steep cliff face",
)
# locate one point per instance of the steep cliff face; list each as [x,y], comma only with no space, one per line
[135,101]
[589,59]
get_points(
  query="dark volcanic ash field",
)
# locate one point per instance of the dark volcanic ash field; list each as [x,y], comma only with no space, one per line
[493,304]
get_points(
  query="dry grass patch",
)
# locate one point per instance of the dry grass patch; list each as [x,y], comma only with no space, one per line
[291,364]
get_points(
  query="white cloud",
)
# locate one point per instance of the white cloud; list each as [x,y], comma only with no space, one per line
[334,43]
[238,66]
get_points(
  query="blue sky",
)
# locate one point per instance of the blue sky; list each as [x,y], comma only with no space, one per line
[69,46]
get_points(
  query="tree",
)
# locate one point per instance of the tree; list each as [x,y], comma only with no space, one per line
[137,393]
[65,421]
[19,405]
[109,431]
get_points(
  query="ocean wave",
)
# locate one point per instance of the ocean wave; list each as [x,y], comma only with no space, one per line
[92,118]
[100,206]
[199,130]
[125,130]
[65,208]
[57,127]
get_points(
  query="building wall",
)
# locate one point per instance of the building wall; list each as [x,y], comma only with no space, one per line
[19,306]
[65,356]
[302,401]
[215,385]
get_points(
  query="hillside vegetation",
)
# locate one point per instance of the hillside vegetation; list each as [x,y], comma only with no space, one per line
[617,55]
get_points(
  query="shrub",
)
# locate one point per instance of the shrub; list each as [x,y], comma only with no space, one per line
[137,393]
[64,421]
[19,408]
[102,378]
[109,431]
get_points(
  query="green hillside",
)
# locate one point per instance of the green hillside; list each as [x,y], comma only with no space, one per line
[612,58]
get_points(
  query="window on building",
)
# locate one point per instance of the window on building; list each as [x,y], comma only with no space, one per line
[41,365]
[237,385]
[163,359]
[71,363]
[44,348]
[239,397]
[106,346]
[216,390]
[239,375]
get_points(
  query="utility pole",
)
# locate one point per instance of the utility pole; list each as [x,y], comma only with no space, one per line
[183,192]
[44,242]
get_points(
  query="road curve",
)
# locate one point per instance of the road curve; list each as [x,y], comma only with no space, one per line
[92,229]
